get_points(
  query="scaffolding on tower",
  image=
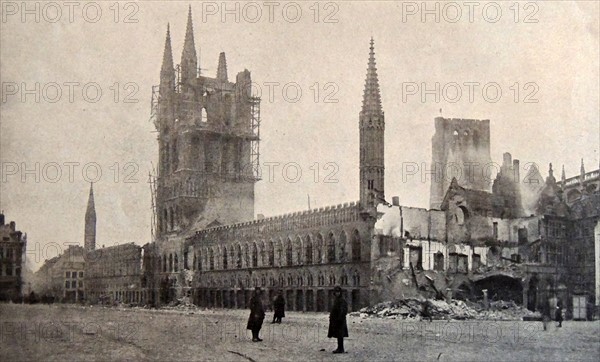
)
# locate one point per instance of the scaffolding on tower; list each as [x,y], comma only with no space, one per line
[152,183]
[154,104]
[255,141]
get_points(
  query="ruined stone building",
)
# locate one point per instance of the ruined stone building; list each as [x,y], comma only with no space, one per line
[586,183]
[513,234]
[208,144]
[461,150]
[13,244]
[484,241]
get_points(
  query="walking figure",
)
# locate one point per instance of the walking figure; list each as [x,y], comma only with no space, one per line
[337,320]
[257,314]
[558,316]
[278,307]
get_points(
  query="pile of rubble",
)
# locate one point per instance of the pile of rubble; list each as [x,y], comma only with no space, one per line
[415,308]
[183,303]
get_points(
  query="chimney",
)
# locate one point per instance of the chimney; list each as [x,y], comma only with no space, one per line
[13,226]
[517,170]
[506,159]
[396,201]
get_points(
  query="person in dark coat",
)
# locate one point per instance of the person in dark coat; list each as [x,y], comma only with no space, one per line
[426,312]
[278,307]
[337,320]
[545,314]
[558,315]
[257,314]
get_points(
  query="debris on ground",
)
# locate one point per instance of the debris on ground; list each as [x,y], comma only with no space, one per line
[183,303]
[414,308]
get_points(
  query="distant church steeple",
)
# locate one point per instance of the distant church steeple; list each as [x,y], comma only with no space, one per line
[372,127]
[90,222]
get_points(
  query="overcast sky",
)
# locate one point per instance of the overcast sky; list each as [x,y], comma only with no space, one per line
[553,61]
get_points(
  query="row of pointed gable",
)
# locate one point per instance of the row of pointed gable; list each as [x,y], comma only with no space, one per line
[549,199]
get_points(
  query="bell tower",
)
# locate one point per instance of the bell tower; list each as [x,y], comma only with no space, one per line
[208,143]
[372,131]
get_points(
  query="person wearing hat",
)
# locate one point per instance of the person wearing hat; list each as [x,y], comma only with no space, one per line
[257,314]
[278,307]
[558,314]
[337,320]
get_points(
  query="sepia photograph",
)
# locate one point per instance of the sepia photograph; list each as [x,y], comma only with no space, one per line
[310,180]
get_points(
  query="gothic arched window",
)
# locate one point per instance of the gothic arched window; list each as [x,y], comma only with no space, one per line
[356,248]
[331,248]
[224,257]
[308,255]
[254,255]
[288,252]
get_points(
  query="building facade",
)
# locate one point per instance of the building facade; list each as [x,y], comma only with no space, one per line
[13,244]
[115,274]
[61,278]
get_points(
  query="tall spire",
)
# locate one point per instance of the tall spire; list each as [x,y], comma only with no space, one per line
[563,176]
[371,97]
[90,222]
[222,68]
[167,71]
[372,139]
[189,60]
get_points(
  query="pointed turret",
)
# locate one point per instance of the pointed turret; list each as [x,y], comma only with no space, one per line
[371,97]
[90,222]
[189,59]
[222,68]
[563,177]
[167,71]
[551,180]
[582,171]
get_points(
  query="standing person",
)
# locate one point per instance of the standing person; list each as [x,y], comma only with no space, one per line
[426,313]
[545,314]
[278,307]
[337,320]
[257,314]
[558,316]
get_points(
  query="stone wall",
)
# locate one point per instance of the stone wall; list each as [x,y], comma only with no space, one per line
[461,149]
